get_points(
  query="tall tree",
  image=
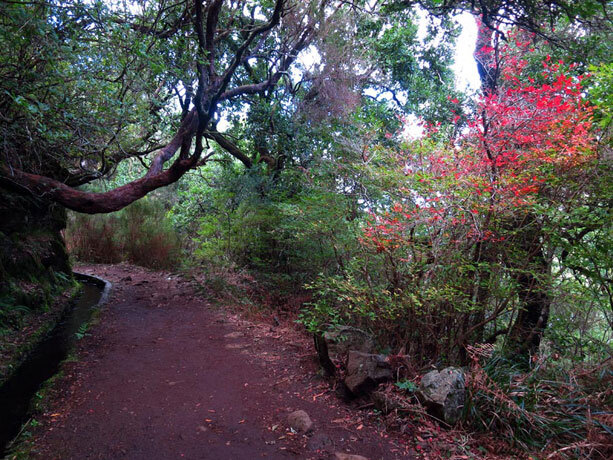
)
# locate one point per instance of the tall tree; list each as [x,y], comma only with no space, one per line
[138,60]
[533,247]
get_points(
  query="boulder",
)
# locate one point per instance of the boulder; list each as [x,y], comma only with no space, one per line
[443,394]
[300,421]
[365,371]
[342,339]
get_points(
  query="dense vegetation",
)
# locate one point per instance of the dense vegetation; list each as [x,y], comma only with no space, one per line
[487,240]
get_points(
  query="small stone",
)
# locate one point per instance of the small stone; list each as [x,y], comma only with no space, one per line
[320,441]
[233,335]
[300,421]
[344,456]
[385,402]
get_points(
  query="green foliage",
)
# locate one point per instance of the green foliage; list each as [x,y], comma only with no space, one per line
[416,68]
[272,225]
[601,94]
[21,300]
[82,331]
[11,314]
[407,385]
[78,89]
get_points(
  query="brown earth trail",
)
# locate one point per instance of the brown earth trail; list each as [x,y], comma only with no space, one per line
[164,375]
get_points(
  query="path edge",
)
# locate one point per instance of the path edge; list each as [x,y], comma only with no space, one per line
[103,284]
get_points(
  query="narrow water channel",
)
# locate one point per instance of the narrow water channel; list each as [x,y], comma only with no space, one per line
[43,363]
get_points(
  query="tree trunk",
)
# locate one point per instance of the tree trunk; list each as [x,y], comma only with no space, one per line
[527,331]
[322,353]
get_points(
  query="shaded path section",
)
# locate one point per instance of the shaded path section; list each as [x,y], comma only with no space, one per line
[164,375]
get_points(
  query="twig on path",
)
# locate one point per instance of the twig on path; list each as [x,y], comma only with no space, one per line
[23,427]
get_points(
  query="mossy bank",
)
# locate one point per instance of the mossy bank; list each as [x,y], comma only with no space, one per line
[36,282]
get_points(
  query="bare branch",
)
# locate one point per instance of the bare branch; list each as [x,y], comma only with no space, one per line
[229,147]
[238,56]
[286,62]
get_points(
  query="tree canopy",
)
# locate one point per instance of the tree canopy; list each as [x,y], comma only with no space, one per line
[87,84]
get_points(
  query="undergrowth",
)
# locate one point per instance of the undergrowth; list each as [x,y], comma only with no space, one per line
[561,412]
[140,234]
[254,293]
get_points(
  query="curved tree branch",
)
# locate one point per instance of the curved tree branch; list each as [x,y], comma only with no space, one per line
[116,199]
[95,203]
[187,129]
[229,147]
[195,121]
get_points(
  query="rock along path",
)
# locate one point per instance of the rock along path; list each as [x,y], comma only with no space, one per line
[163,375]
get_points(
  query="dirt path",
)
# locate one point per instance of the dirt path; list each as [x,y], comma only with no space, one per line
[166,376]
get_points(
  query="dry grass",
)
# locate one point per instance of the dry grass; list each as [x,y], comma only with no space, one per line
[140,234]
[558,413]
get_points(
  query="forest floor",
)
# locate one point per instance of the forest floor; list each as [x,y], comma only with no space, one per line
[165,374]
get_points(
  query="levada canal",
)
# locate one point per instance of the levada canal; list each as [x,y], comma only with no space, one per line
[44,361]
